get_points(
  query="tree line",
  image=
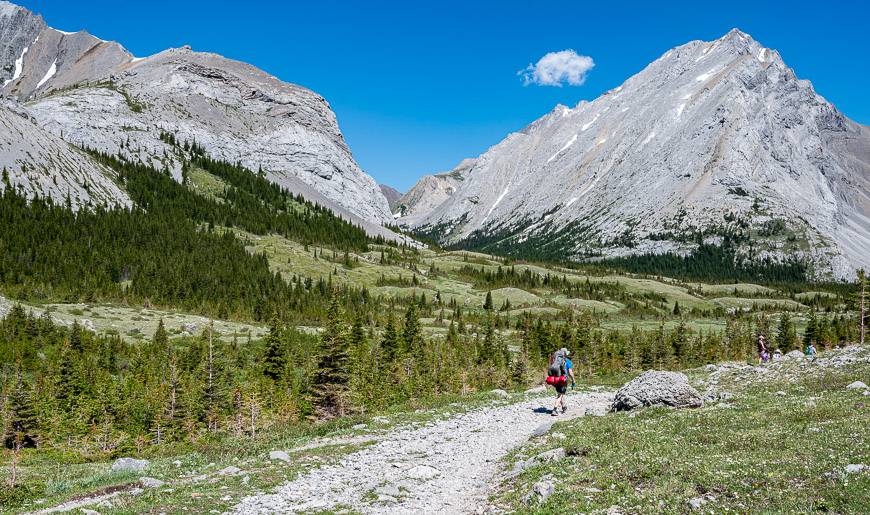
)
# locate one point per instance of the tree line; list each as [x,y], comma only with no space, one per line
[98,395]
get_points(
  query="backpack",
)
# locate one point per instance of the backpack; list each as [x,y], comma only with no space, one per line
[557,365]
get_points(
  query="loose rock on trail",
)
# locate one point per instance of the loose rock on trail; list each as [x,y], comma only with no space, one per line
[447,466]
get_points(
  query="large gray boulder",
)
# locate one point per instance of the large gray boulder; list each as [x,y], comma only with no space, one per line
[656,388]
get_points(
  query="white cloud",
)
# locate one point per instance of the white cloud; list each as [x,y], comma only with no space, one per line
[556,68]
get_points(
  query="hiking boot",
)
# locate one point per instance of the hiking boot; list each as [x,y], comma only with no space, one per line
[564,409]
[554,412]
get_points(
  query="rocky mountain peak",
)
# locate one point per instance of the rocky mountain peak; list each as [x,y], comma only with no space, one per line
[95,93]
[710,133]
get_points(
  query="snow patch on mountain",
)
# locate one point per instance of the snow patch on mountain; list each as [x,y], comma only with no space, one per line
[19,67]
[48,75]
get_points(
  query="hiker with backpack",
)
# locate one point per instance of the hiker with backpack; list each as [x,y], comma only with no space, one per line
[810,351]
[763,354]
[558,372]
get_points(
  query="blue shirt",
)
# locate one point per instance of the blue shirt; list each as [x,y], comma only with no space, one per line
[568,365]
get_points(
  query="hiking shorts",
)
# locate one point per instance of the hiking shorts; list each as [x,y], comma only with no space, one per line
[561,389]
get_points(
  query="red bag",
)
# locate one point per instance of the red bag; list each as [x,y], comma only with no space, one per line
[557,381]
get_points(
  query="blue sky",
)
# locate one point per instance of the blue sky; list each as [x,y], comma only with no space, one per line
[418,86]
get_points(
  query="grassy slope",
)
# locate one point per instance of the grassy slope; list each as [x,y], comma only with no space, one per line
[780,445]
[292,259]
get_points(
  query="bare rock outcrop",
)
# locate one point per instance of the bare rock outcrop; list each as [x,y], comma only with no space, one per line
[657,388]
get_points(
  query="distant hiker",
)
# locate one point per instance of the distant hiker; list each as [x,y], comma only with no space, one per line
[763,354]
[810,351]
[557,375]
[777,355]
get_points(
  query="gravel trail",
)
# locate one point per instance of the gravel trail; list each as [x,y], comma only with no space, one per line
[447,466]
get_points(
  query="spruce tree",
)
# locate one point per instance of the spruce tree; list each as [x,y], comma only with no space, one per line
[487,303]
[331,375]
[785,332]
[21,430]
[75,336]
[862,305]
[275,356]
[412,333]
[390,340]
[811,333]
[160,340]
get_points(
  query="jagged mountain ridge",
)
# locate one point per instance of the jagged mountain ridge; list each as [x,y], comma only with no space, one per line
[709,136]
[431,191]
[95,93]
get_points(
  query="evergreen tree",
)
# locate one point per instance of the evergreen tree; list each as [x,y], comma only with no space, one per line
[75,336]
[785,332]
[862,305]
[412,333]
[275,357]
[390,340]
[811,333]
[160,340]
[21,431]
[68,384]
[331,375]
[487,303]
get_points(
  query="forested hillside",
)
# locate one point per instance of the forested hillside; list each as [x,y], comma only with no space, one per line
[171,249]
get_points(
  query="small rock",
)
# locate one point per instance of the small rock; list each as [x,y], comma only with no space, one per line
[500,393]
[697,503]
[380,420]
[856,468]
[857,385]
[542,429]
[711,368]
[151,482]
[551,455]
[229,471]
[86,511]
[537,389]
[246,480]
[389,490]
[130,465]
[279,455]
[558,436]
[177,463]
[541,491]
[781,393]
[359,427]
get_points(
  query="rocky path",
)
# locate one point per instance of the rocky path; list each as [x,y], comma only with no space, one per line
[447,466]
